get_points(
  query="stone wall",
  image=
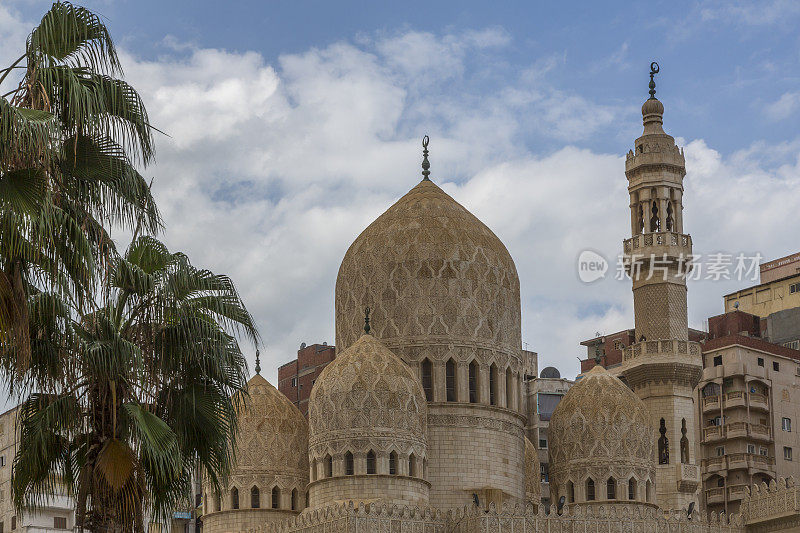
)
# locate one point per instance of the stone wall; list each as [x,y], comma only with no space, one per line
[391,489]
[772,508]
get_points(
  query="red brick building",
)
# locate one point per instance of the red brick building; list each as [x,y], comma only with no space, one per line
[609,347]
[296,378]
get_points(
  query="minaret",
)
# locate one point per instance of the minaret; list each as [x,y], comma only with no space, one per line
[662,366]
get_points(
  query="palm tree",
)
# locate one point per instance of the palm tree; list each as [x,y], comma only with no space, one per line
[70,134]
[133,396]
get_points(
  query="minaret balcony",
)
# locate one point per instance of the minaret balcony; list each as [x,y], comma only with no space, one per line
[658,248]
[687,477]
[662,360]
[661,348]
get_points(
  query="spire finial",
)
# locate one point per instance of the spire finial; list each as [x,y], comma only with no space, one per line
[653,71]
[425,163]
[366,320]
[258,362]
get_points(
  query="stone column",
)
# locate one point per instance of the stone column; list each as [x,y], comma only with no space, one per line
[439,382]
[462,382]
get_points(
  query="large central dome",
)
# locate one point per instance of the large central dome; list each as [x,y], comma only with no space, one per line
[434,276]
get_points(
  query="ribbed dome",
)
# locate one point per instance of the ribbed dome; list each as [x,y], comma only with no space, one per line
[273,434]
[533,483]
[601,428]
[652,106]
[433,275]
[367,390]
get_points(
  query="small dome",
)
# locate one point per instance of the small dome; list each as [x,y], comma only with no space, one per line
[652,106]
[601,429]
[367,390]
[533,483]
[550,372]
[273,434]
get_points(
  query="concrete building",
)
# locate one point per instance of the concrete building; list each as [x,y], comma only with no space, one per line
[778,291]
[608,349]
[748,403]
[542,395]
[296,378]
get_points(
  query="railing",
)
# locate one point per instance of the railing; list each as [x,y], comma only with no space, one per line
[735,461]
[759,429]
[715,495]
[758,398]
[710,401]
[736,492]
[666,347]
[714,463]
[669,238]
[712,432]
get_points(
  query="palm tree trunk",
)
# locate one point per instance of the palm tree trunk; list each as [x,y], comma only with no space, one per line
[21,322]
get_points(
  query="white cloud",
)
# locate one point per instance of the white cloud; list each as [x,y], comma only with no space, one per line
[783,107]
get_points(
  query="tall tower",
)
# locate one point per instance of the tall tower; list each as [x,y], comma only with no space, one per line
[662,366]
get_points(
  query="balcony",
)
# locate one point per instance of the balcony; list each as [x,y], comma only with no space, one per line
[688,477]
[736,492]
[736,399]
[762,462]
[759,401]
[759,431]
[656,246]
[736,429]
[710,403]
[713,433]
[715,495]
[661,348]
[737,460]
[714,464]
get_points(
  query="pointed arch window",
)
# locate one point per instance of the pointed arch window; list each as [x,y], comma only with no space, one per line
[393,463]
[450,380]
[570,492]
[349,470]
[473,382]
[255,498]
[684,443]
[328,466]
[641,219]
[670,221]
[611,489]
[276,497]
[412,465]
[663,444]
[294,499]
[648,489]
[509,389]
[370,462]
[234,498]
[655,221]
[217,502]
[631,489]
[427,378]
[493,384]
[590,490]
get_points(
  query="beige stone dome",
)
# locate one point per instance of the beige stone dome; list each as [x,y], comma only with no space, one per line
[435,277]
[367,390]
[652,106]
[533,475]
[601,429]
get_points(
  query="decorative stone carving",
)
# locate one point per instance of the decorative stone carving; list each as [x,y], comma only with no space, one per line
[533,478]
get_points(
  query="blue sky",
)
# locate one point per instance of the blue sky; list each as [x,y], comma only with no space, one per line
[293,124]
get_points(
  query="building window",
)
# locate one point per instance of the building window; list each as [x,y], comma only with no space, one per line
[760,361]
[720,451]
[427,379]
[348,464]
[276,497]
[545,472]
[370,462]
[450,380]
[631,489]
[611,489]
[763,451]
[509,389]
[234,498]
[542,443]
[473,382]
[571,492]
[717,360]
[787,453]
[412,465]
[590,490]
[546,403]
[617,345]
[328,466]
[59,522]
[776,366]
[393,463]
[720,482]
[294,382]
[648,489]
[255,498]
[751,449]
[493,373]
[294,499]
[663,445]
[793,288]
[786,424]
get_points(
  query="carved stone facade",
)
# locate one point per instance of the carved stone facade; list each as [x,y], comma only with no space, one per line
[602,444]
[533,485]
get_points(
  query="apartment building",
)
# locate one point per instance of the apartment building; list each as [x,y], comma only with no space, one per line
[748,402]
[542,394]
[297,377]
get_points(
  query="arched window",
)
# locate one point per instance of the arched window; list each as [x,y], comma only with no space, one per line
[631,489]
[328,466]
[393,463]
[217,503]
[590,490]
[641,219]
[663,444]
[276,497]
[450,380]
[493,384]
[611,489]
[655,221]
[255,498]
[308,500]
[648,488]
[234,498]
[427,379]
[509,389]
[570,492]
[669,216]
[370,462]
[349,470]
[294,499]
[684,443]
[412,465]
[473,382]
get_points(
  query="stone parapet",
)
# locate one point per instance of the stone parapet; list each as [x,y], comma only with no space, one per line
[773,507]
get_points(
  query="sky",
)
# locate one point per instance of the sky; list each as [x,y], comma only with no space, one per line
[290,125]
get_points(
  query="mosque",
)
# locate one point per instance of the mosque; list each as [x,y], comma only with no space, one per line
[418,424]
